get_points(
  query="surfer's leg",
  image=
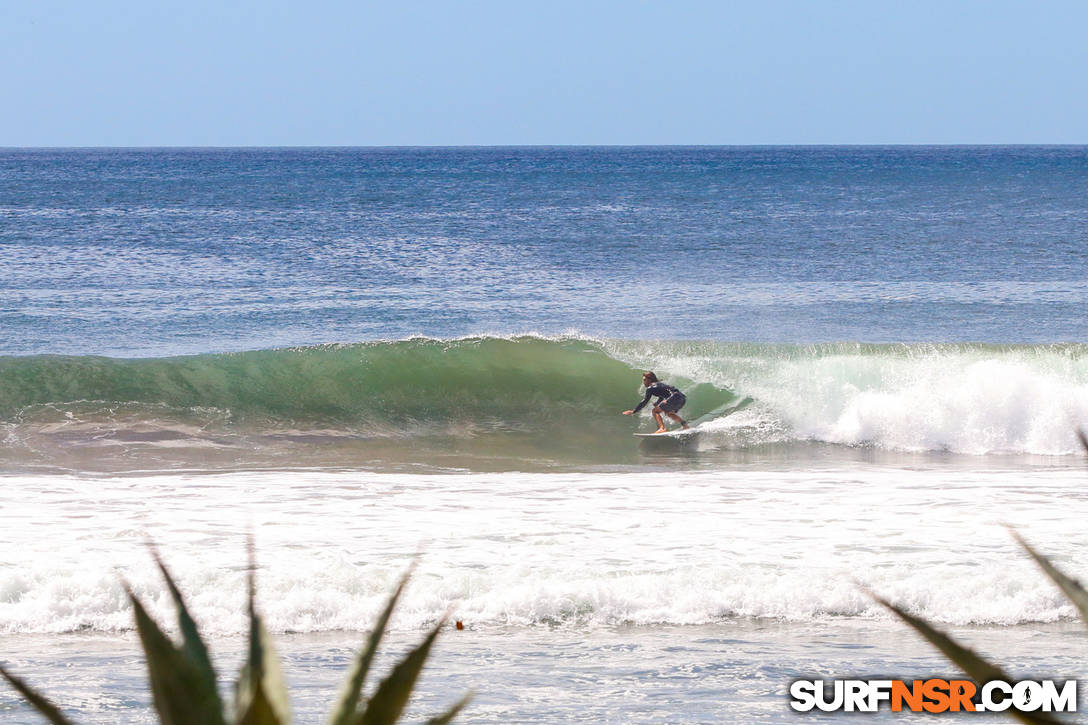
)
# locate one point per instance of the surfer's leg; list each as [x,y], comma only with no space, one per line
[660,421]
[683,423]
[674,403]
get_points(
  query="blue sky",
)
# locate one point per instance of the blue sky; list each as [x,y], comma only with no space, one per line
[334,72]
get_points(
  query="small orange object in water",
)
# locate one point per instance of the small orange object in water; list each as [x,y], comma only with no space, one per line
[460,624]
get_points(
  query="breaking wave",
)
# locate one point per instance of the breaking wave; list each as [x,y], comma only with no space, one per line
[556,399]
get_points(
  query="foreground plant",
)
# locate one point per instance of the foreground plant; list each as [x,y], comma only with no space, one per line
[184,686]
[976,666]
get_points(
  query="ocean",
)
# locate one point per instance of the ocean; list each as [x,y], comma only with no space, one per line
[374,357]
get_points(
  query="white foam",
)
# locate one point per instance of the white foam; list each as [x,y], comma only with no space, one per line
[529,550]
[962,403]
[964,399]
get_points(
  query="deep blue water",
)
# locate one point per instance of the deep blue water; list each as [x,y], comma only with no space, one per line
[154,252]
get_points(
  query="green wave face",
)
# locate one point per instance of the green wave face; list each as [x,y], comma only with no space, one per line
[569,392]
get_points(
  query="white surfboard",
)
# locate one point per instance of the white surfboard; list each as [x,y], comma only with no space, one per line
[679,433]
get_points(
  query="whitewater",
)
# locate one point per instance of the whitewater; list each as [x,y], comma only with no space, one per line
[720,581]
[523,550]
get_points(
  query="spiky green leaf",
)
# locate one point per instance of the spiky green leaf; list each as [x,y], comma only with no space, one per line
[1069,586]
[38,701]
[261,696]
[447,717]
[391,697]
[192,643]
[179,689]
[261,710]
[976,667]
[348,701]
[260,693]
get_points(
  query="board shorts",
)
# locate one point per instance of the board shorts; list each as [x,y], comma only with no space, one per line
[672,403]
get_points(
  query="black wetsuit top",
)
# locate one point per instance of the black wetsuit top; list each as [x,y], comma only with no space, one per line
[657,390]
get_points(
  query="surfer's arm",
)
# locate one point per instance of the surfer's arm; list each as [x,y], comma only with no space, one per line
[642,405]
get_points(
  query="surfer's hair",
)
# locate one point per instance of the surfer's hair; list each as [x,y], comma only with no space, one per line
[649,375]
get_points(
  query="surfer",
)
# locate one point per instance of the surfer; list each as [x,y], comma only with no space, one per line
[669,400]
